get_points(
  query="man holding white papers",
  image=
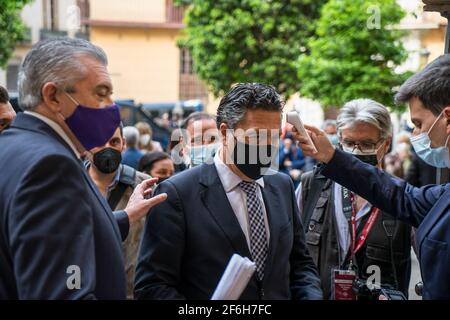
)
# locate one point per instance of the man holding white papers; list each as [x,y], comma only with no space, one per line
[234,203]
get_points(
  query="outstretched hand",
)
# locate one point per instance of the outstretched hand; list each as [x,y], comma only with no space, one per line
[138,206]
[325,150]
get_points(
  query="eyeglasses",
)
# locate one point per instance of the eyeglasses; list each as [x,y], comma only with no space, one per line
[364,147]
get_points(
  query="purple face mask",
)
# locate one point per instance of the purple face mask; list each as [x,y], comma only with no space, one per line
[93,127]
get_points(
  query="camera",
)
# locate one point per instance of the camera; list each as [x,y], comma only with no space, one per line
[364,291]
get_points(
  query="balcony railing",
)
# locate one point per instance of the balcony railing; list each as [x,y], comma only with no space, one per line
[174,14]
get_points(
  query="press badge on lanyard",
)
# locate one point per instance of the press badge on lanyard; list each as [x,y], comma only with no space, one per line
[343,284]
[343,279]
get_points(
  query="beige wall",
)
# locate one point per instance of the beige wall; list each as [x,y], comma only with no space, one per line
[144,64]
[128,10]
[434,41]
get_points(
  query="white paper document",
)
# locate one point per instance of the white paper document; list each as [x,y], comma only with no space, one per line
[235,278]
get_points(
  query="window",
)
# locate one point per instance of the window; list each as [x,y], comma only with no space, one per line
[186,61]
[191,87]
[12,73]
[50,9]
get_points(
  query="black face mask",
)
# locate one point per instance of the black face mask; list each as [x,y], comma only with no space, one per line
[255,153]
[368,158]
[107,160]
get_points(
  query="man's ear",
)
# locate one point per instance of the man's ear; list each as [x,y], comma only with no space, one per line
[50,98]
[387,145]
[447,117]
[223,132]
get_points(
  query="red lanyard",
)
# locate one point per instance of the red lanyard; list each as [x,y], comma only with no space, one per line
[368,226]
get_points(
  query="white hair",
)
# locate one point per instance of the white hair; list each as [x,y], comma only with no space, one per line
[365,111]
[131,135]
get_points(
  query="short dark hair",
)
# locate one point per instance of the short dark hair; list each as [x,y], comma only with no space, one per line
[196,116]
[431,86]
[247,96]
[4,97]
[149,159]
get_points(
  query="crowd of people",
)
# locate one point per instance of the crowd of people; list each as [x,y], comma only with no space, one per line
[94,210]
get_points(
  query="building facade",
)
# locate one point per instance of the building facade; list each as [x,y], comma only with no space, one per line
[141,40]
[43,19]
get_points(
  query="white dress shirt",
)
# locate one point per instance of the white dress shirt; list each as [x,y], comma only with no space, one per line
[237,198]
[57,128]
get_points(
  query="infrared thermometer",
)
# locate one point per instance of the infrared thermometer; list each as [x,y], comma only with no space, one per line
[294,118]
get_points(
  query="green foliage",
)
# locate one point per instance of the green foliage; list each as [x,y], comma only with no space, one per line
[354,53]
[12,29]
[235,41]
[182,2]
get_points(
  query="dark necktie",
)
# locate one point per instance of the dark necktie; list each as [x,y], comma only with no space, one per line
[258,236]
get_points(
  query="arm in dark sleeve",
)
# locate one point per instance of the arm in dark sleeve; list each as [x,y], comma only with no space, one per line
[162,247]
[389,194]
[123,222]
[51,232]
[304,278]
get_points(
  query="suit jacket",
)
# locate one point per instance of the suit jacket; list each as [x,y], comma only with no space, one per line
[189,239]
[427,208]
[130,245]
[54,223]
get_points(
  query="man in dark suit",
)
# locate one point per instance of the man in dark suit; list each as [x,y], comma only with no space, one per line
[234,203]
[426,208]
[58,237]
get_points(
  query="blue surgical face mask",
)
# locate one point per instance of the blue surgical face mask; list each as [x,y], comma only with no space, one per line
[200,154]
[436,157]
[333,139]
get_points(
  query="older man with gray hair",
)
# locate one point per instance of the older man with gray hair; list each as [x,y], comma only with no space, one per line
[132,154]
[345,232]
[58,237]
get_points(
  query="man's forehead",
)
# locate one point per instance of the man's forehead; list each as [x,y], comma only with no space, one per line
[204,124]
[418,112]
[361,132]
[259,133]
[97,73]
[258,124]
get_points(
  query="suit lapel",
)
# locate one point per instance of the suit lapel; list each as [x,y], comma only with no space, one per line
[215,200]
[271,202]
[102,201]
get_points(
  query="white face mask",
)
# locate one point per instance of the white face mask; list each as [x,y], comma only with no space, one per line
[144,139]
[201,154]
[436,157]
